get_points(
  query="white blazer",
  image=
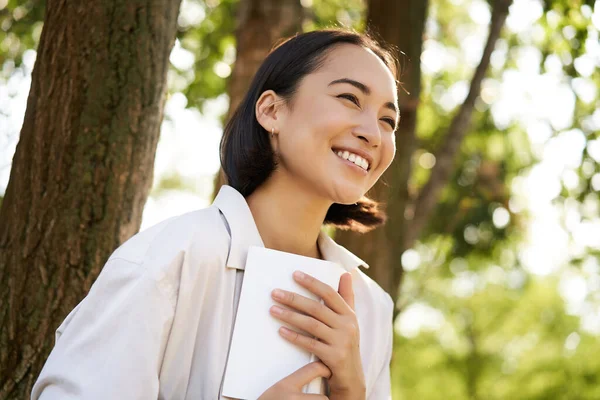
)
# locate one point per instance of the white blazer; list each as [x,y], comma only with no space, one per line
[157,322]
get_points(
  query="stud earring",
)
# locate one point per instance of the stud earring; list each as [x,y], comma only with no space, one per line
[272,132]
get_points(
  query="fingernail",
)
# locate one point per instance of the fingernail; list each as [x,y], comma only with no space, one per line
[285,330]
[276,310]
[299,275]
[278,294]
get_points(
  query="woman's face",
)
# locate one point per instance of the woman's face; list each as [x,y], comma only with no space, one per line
[344,110]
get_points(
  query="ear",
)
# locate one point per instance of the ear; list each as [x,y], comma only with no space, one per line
[268,110]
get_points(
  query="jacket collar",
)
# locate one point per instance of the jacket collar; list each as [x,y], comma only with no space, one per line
[244,233]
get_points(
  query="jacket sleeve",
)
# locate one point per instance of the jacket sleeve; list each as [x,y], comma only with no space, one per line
[382,389]
[110,346]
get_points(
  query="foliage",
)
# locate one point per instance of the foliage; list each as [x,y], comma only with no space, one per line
[510,339]
[209,37]
[488,157]
[329,13]
[22,21]
[495,330]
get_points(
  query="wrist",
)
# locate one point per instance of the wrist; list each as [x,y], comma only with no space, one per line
[356,393]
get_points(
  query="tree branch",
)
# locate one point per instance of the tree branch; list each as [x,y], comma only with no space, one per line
[445,155]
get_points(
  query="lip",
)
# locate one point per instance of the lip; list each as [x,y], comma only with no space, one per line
[361,153]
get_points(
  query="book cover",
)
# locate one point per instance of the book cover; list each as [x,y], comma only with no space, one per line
[259,357]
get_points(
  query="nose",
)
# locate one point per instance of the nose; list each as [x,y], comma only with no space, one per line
[369,131]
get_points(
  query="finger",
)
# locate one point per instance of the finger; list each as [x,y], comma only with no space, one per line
[307,374]
[309,344]
[345,289]
[304,322]
[307,306]
[330,296]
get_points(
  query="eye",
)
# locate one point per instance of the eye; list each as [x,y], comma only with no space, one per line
[390,121]
[354,99]
[350,97]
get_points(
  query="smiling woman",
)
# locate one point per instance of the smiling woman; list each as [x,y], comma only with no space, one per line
[323,92]
[313,134]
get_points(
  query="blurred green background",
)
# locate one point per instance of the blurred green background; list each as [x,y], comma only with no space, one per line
[500,293]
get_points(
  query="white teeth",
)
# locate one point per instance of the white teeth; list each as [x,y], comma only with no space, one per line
[361,162]
[364,164]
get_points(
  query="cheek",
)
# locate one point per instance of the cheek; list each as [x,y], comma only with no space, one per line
[325,113]
[390,149]
[388,152]
[328,122]
[317,132]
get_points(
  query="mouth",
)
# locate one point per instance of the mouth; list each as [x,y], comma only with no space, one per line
[353,160]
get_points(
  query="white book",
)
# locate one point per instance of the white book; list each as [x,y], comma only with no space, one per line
[259,357]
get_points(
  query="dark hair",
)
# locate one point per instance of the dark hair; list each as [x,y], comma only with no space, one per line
[247,157]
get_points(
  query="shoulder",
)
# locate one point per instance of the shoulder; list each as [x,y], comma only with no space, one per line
[201,231]
[184,245]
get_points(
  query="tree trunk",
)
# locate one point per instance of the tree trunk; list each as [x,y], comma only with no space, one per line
[260,23]
[401,24]
[82,168]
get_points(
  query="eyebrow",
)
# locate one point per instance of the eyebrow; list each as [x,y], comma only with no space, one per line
[365,89]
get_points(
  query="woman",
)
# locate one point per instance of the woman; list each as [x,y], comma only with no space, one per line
[312,136]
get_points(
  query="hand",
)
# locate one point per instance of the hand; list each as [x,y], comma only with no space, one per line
[335,326]
[291,386]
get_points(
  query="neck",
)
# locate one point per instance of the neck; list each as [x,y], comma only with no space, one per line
[288,216]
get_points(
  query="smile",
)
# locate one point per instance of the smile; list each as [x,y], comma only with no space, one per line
[354,159]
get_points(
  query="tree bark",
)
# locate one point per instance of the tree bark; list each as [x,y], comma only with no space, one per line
[82,168]
[260,23]
[400,24]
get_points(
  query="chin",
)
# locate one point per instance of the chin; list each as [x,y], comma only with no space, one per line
[347,194]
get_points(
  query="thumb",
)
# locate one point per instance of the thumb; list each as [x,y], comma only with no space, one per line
[345,289]
[307,374]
